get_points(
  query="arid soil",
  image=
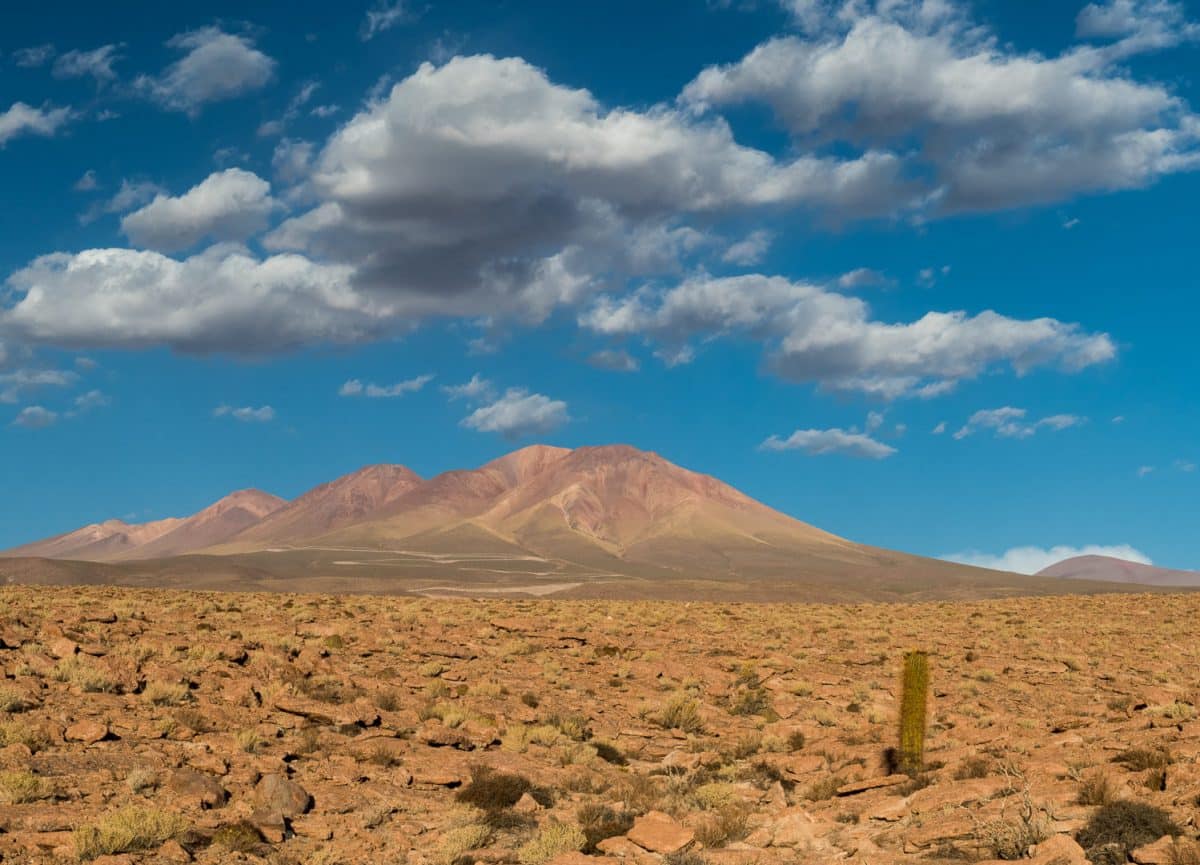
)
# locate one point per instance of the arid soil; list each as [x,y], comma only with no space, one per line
[162,726]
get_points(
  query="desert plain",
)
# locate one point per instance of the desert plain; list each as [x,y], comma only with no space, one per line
[156,726]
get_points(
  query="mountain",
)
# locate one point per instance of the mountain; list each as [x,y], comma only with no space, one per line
[610,521]
[1108,569]
[341,502]
[115,540]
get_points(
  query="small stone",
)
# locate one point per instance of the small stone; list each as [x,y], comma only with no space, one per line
[87,732]
[660,833]
[196,788]
[277,794]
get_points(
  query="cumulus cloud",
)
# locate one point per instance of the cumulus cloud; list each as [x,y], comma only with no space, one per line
[35,417]
[246,414]
[224,299]
[21,119]
[1031,560]
[1010,422]
[96,64]
[519,413]
[482,187]
[994,127]
[228,205]
[818,442]
[215,66]
[616,360]
[354,387]
[817,335]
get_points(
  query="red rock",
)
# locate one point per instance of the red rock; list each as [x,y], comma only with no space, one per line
[660,833]
[87,731]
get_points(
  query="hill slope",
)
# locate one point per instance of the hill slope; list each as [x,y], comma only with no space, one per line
[1108,569]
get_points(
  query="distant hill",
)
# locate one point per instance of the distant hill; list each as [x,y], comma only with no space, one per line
[1108,569]
[610,521]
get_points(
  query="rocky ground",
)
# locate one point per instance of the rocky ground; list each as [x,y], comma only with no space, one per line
[156,726]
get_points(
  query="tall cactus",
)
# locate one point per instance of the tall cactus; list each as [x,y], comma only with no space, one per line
[912,712]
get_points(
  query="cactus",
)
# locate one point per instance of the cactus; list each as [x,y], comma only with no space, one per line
[912,712]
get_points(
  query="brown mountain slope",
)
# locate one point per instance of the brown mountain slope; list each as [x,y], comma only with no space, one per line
[1109,569]
[340,502]
[114,540]
[216,523]
[99,542]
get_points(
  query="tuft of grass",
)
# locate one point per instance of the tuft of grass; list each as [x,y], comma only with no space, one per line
[1141,759]
[796,740]
[238,837]
[723,826]
[84,675]
[166,693]
[1097,789]
[1124,824]
[129,829]
[549,841]
[974,767]
[12,701]
[490,790]
[21,787]
[463,839]
[18,733]
[141,780]
[249,740]
[599,822]
[682,713]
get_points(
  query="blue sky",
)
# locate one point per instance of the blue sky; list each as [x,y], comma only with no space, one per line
[920,272]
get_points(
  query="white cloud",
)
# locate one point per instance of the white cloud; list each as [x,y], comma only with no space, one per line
[22,119]
[35,417]
[994,127]
[1010,422]
[519,413]
[216,66]
[614,359]
[1031,560]
[354,387]
[87,182]
[817,335]
[96,63]
[818,442]
[481,187]
[34,56]
[1186,466]
[90,400]
[1138,24]
[874,420]
[750,249]
[228,205]
[1144,470]
[18,382]
[862,277]
[478,388]
[940,428]
[383,16]
[224,299]
[132,193]
[246,414]
[292,160]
